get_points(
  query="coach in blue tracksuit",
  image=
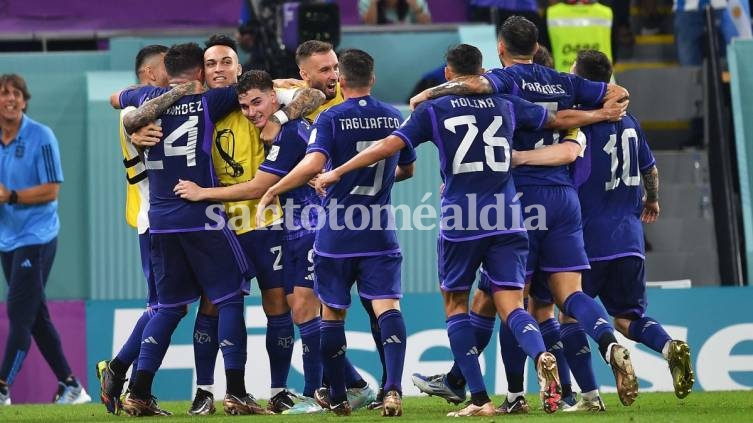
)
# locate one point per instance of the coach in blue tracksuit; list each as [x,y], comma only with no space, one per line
[30,177]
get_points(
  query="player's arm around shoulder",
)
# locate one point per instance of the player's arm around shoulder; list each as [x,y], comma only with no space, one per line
[462,85]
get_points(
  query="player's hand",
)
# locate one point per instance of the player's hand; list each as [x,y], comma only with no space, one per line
[614,109]
[264,202]
[288,83]
[147,136]
[4,194]
[325,180]
[650,212]
[270,131]
[418,99]
[312,181]
[188,190]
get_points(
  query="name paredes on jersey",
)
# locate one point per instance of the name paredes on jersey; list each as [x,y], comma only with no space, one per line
[552,89]
[478,103]
[185,108]
[369,123]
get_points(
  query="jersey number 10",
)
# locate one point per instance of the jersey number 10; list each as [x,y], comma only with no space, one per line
[629,141]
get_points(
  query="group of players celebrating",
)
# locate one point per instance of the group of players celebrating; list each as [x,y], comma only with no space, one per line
[506,138]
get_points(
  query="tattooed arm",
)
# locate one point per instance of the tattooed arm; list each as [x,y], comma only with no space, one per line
[463,85]
[152,109]
[651,203]
[305,101]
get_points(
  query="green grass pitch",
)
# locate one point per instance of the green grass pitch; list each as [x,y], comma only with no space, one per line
[724,407]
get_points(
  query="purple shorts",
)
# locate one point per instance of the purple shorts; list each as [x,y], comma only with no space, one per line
[620,285]
[298,262]
[503,257]
[378,278]
[145,249]
[559,246]
[185,264]
[263,248]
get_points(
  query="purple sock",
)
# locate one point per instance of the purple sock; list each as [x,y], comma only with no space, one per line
[392,326]
[464,350]
[649,332]
[590,314]
[550,331]
[156,338]
[205,347]
[578,354]
[333,351]
[231,332]
[312,357]
[513,357]
[526,332]
[482,327]
[376,334]
[280,338]
[129,352]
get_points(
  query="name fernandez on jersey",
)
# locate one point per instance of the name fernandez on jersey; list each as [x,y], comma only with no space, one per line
[192,107]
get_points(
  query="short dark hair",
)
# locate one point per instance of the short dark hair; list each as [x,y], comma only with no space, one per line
[182,58]
[220,40]
[357,67]
[519,35]
[254,79]
[593,65]
[17,81]
[543,57]
[464,59]
[311,47]
[147,53]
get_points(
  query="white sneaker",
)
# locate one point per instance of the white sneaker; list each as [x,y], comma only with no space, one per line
[592,405]
[360,397]
[5,398]
[74,395]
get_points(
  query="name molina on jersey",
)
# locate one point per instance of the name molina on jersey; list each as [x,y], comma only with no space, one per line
[478,103]
[551,89]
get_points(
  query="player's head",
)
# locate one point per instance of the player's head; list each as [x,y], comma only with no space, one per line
[543,57]
[221,67]
[518,38]
[356,69]
[14,96]
[257,97]
[150,65]
[185,61]
[462,60]
[318,66]
[592,65]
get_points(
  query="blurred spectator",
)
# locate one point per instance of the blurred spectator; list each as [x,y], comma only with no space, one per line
[248,41]
[380,12]
[578,25]
[497,11]
[690,28]
[258,37]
